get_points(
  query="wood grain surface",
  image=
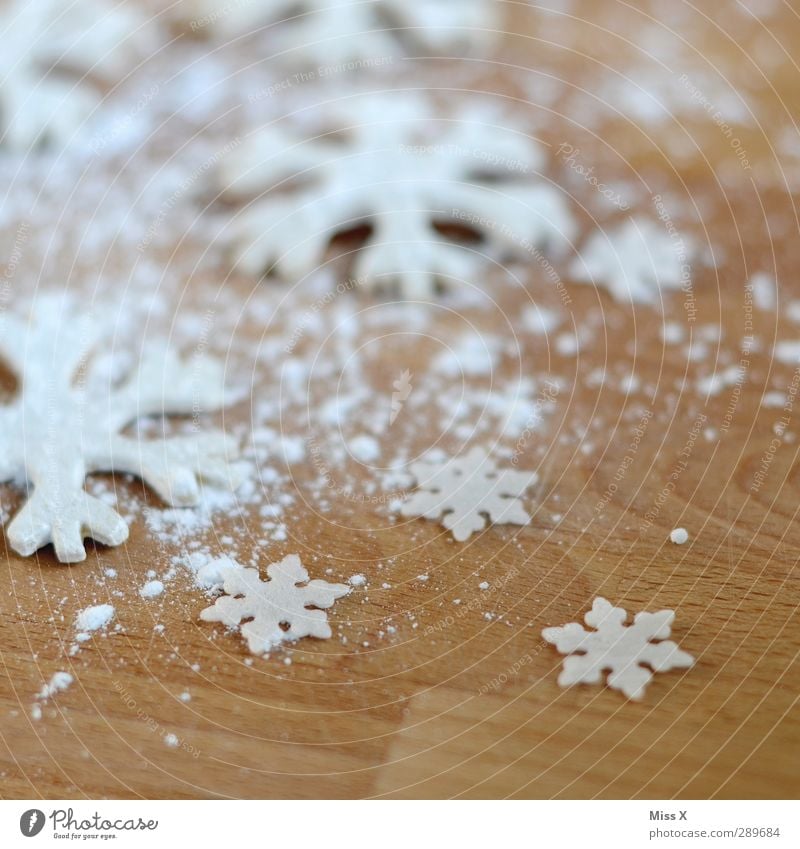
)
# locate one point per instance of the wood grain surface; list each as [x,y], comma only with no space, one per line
[426,697]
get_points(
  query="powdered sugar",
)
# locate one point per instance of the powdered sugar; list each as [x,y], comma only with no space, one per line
[94,618]
[57,684]
[679,536]
[151,589]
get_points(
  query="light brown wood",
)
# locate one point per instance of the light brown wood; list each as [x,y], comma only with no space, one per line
[453,704]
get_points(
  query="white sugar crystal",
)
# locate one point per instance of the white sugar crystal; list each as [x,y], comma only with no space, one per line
[567,344]
[765,295]
[672,333]
[679,536]
[151,589]
[539,320]
[788,352]
[93,618]
[60,681]
[364,448]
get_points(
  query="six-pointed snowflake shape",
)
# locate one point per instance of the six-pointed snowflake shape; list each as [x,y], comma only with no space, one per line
[635,262]
[624,651]
[56,432]
[41,39]
[276,610]
[338,31]
[465,490]
[390,162]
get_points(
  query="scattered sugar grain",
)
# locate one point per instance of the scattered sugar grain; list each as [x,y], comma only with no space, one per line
[151,589]
[59,682]
[94,618]
[679,536]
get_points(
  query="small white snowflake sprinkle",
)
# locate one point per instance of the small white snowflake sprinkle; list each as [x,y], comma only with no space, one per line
[619,649]
[679,536]
[634,263]
[269,605]
[464,491]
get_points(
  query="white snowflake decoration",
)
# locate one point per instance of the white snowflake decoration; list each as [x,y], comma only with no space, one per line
[402,170]
[464,491]
[269,605]
[635,262]
[57,431]
[624,651]
[42,40]
[341,31]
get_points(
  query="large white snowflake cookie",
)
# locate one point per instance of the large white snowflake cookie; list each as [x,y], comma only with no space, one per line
[467,492]
[48,46]
[630,654]
[389,162]
[57,431]
[268,613]
[335,31]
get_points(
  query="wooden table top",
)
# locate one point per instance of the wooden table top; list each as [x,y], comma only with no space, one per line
[416,695]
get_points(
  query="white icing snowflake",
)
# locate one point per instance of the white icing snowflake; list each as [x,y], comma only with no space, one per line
[394,165]
[57,431]
[44,39]
[464,491]
[635,262]
[624,651]
[277,610]
[339,31]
